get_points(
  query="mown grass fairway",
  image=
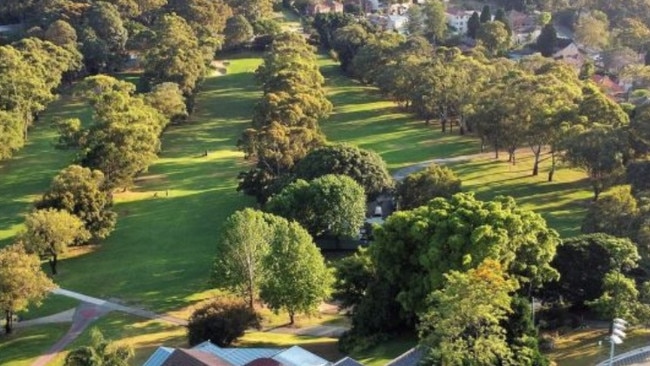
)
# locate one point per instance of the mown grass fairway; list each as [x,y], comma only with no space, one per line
[365,118]
[160,254]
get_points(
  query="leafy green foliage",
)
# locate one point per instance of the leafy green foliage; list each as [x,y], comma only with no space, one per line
[331,204]
[547,40]
[100,352]
[238,32]
[364,166]
[221,321]
[463,323]
[417,189]
[615,213]
[168,99]
[22,282]
[298,280]
[50,232]
[80,191]
[353,277]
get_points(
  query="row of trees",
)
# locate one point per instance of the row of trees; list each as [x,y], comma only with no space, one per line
[31,70]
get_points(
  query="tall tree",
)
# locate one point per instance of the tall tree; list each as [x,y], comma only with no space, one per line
[364,166]
[238,32]
[50,232]
[107,26]
[436,20]
[494,37]
[168,99]
[417,189]
[81,192]
[615,213]
[252,9]
[486,14]
[22,282]
[463,325]
[600,152]
[592,30]
[547,40]
[473,25]
[298,280]
[416,21]
[176,56]
[241,248]
[330,204]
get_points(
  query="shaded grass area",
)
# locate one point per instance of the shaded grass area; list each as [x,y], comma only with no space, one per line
[25,176]
[51,305]
[381,354]
[580,348]
[27,344]
[365,118]
[563,202]
[160,254]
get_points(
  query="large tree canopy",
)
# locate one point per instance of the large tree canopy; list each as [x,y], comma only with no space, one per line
[418,188]
[364,166]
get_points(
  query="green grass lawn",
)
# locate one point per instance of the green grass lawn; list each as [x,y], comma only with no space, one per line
[51,305]
[580,348]
[25,345]
[365,118]
[562,203]
[25,177]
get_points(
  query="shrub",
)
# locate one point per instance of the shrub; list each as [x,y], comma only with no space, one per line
[221,322]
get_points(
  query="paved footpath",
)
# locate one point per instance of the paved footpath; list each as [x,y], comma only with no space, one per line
[117,307]
[402,173]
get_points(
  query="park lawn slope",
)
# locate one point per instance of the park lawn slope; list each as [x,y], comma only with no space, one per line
[367,119]
[160,254]
[26,176]
[26,344]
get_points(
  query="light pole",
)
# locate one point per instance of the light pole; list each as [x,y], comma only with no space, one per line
[618,327]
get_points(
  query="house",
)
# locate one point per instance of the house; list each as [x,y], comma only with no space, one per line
[397,23]
[324,6]
[208,354]
[610,87]
[520,22]
[457,20]
[567,51]
[8,28]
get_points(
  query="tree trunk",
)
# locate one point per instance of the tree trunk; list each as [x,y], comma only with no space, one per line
[537,153]
[443,124]
[292,319]
[427,121]
[461,125]
[597,191]
[552,171]
[9,325]
[53,261]
[251,299]
[496,150]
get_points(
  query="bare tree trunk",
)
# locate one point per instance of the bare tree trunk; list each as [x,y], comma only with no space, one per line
[53,261]
[552,171]
[537,151]
[292,319]
[9,319]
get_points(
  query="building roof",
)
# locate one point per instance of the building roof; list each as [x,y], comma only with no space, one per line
[191,357]
[296,356]
[238,356]
[607,84]
[159,356]
[409,358]
[347,362]
[264,362]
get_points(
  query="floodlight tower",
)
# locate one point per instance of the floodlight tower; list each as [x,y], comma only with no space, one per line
[617,336]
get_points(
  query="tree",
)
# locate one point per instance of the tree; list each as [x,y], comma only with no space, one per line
[221,321]
[417,189]
[615,213]
[330,204]
[473,25]
[456,234]
[238,32]
[463,325]
[619,298]
[415,25]
[168,99]
[486,15]
[124,138]
[600,152]
[104,20]
[243,244]
[592,30]
[584,260]
[61,33]
[494,36]
[436,20]
[633,33]
[347,41]
[364,166]
[547,40]
[298,280]
[638,176]
[100,352]
[176,56]
[49,233]
[253,10]
[206,17]
[353,275]
[22,282]
[11,134]
[80,191]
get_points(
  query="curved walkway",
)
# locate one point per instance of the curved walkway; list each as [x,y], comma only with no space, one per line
[400,174]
